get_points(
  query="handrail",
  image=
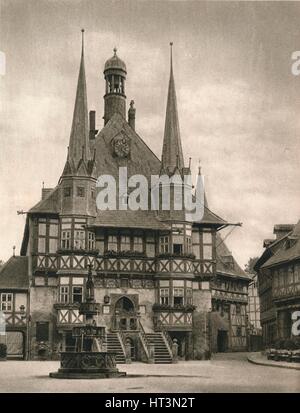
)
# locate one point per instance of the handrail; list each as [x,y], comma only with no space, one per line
[122,342]
[144,339]
[166,336]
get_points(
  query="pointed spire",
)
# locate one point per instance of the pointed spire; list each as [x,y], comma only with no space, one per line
[79,138]
[172,143]
[200,177]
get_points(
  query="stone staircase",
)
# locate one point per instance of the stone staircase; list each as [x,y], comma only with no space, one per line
[114,346]
[161,352]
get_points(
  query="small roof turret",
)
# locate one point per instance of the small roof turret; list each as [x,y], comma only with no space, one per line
[115,63]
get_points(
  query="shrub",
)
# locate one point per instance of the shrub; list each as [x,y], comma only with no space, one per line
[3,351]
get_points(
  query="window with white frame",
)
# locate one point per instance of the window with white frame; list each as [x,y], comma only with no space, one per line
[112,243]
[66,239]
[64,294]
[71,289]
[178,293]
[125,243]
[42,233]
[6,302]
[79,239]
[164,244]
[91,240]
[164,296]
[138,244]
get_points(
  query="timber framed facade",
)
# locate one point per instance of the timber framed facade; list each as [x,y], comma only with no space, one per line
[158,278]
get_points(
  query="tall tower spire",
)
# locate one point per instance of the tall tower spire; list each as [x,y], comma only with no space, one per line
[172,156]
[79,137]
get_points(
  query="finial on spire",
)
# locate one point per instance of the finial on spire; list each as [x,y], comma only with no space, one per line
[115,51]
[199,167]
[190,161]
[171,54]
[14,251]
[82,41]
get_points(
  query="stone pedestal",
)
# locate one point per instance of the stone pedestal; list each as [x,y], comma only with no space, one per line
[87,365]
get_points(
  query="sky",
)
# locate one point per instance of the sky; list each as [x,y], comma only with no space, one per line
[238,101]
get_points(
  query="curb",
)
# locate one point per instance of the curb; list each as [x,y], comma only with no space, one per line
[265,363]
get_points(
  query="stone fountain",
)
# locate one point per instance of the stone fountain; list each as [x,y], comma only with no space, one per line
[90,360]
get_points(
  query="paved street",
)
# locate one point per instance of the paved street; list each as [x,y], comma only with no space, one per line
[225,373]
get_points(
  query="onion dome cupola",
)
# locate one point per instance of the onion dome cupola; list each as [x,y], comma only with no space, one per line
[114,98]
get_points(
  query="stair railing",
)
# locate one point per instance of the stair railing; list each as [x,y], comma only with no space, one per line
[166,336]
[144,339]
[122,341]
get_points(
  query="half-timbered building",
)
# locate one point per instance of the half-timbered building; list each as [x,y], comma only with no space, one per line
[279,283]
[156,274]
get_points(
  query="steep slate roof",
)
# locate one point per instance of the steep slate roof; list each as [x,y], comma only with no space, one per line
[48,205]
[222,268]
[130,219]
[285,253]
[172,149]
[14,274]
[141,159]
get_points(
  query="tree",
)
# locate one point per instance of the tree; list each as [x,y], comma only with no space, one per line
[250,264]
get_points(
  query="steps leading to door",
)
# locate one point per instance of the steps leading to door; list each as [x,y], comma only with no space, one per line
[161,352]
[114,346]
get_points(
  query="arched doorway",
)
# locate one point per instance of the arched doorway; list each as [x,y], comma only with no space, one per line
[124,304]
[125,314]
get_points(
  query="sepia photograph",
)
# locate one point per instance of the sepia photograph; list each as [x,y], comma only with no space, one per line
[150,199]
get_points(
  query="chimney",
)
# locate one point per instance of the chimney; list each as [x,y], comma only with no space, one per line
[280,230]
[46,192]
[92,120]
[131,115]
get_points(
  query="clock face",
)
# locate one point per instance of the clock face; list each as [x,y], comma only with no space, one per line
[121,146]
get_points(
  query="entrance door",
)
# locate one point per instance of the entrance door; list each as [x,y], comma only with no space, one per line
[125,315]
[15,344]
[222,341]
